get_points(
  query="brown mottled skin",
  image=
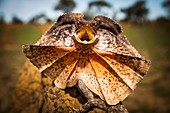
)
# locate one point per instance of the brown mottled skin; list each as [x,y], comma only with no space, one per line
[92,55]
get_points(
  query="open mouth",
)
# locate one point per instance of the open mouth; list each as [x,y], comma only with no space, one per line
[85,35]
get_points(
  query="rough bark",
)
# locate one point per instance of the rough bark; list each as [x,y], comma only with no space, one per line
[36,93]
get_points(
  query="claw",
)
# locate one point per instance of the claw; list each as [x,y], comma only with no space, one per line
[74,111]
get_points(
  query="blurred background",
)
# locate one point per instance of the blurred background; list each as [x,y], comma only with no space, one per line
[146,24]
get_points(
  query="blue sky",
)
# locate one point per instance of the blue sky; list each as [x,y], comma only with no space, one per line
[26,9]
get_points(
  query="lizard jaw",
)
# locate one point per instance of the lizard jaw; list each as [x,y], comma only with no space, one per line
[85,35]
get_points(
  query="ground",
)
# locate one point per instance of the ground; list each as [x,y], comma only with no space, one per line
[151,40]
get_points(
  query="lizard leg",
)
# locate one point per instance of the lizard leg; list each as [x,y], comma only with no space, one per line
[96,102]
[92,102]
[118,108]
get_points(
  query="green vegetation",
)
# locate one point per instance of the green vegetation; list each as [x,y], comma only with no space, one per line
[152,41]
[26,35]
[148,36]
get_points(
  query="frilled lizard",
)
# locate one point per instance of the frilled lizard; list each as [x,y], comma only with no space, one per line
[91,54]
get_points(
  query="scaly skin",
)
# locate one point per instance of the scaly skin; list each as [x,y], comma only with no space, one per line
[92,54]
